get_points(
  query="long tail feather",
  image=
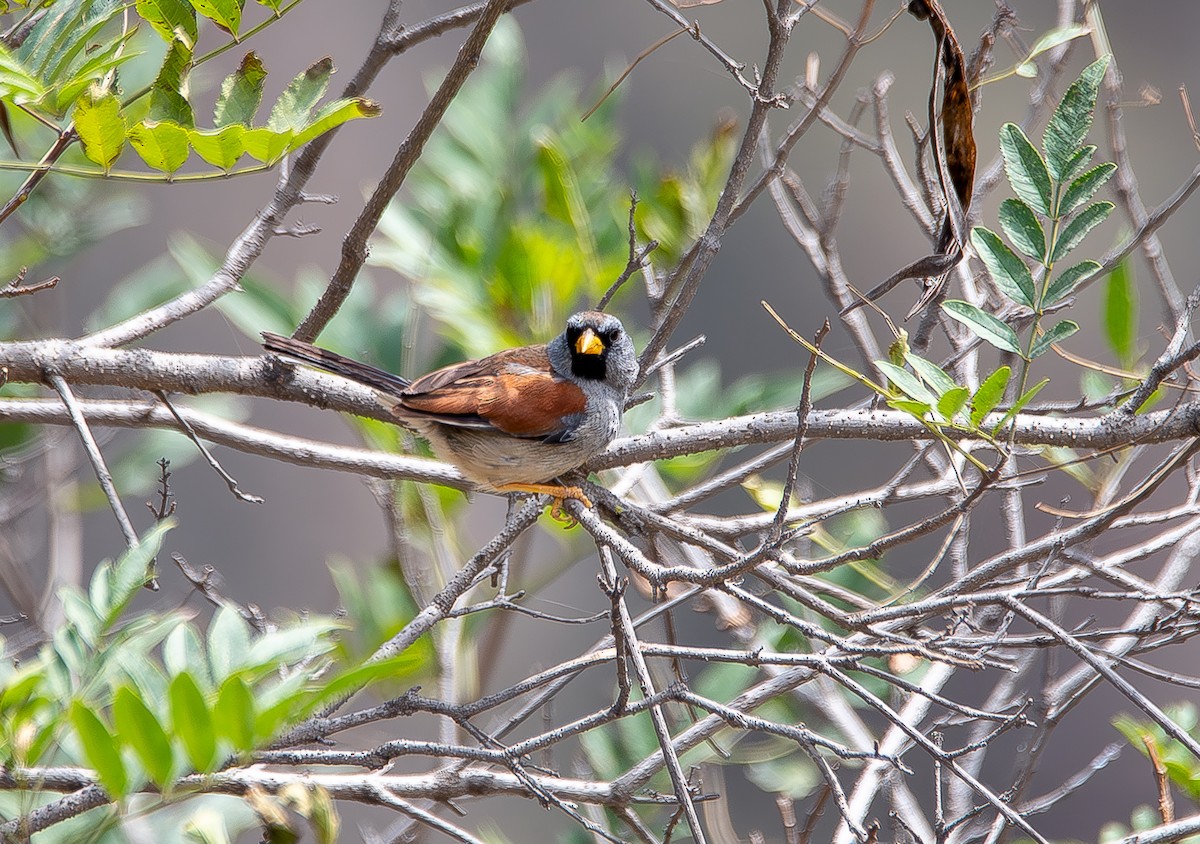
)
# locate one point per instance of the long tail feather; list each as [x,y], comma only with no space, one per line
[363,373]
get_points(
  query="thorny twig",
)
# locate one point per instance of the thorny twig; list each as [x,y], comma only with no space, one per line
[18,287]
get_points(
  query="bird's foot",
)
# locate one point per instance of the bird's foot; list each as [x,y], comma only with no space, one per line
[558,494]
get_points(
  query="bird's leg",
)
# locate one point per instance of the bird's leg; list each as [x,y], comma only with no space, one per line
[557,492]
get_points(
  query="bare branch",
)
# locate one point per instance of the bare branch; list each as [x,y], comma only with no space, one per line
[17,286]
[354,247]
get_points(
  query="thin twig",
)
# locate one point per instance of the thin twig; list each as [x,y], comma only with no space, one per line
[17,286]
[96,458]
[789,484]
[212,461]
[1175,355]
[637,258]
[645,681]
[623,75]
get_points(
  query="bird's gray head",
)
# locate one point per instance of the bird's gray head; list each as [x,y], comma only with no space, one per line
[595,347]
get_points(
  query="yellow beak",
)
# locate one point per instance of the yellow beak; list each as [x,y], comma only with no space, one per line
[589,343]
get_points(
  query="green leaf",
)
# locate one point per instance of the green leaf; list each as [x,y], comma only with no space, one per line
[192,721]
[1061,331]
[17,85]
[983,324]
[183,653]
[564,195]
[196,262]
[220,147]
[1020,405]
[82,36]
[1068,461]
[168,98]
[99,595]
[169,18]
[1085,187]
[75,655]
[1073,118]
[267,145]
[1079,162]
[241,93]
[139,728]
[176,65]
[952,401]
[1025,168]
[91,71]
[259,306]
[20,686]
[128,574]
[100,126]
[907,383]
[931,373]
[1023,228]
[379,602]
[918,409]
[285,703]
[163,146]
[1077,229]
[207,826]
[46,738]
[290,112]
[100,748]
[332,115]
[167,106]
[149,285]
[226,14]
[361,676]
[233,713]
[1007,270]
[792,775]
[80,615]
[273,5]
[286,645]
[1059,35]
[132,659]
[55,33]
[1065,283]
[228,643]
[1121,313]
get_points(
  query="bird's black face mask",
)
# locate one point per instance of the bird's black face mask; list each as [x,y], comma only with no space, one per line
[589,353]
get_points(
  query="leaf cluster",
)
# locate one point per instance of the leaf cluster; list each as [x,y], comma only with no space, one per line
[517,213]
[144,699]
[68,63]
[1049,216]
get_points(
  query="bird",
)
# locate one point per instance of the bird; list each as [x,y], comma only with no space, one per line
[514,421]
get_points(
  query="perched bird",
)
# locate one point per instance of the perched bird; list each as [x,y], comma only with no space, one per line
[516,420]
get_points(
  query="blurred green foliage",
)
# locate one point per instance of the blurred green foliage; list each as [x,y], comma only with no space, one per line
[1181,767]
[377,603]
[146,697]
[517,213]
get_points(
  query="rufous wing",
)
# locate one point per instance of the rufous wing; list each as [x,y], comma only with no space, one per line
[513,391]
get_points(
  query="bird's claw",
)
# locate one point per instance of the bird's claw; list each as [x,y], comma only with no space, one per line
[558,497]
